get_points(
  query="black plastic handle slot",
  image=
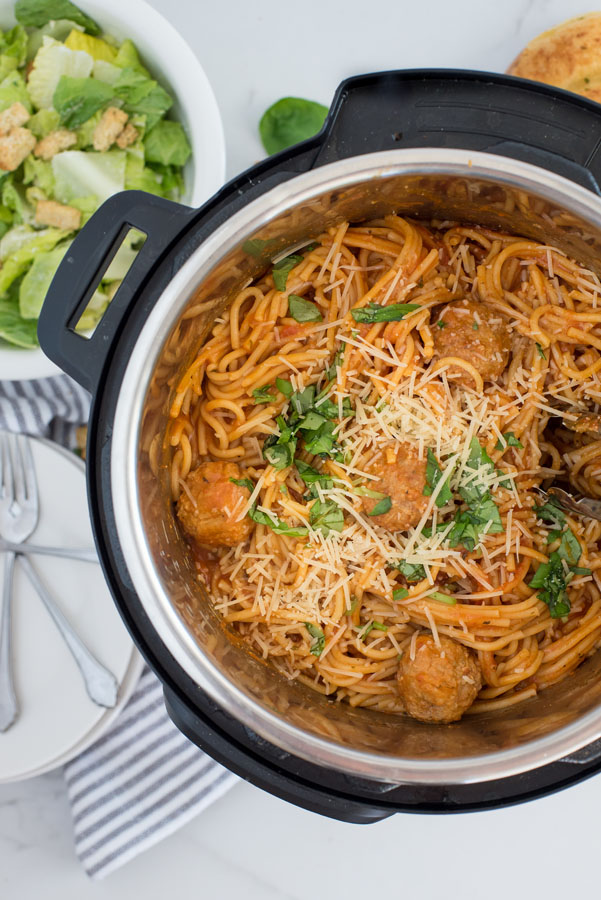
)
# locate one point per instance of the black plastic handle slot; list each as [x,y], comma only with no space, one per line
[478,111]
[82,269]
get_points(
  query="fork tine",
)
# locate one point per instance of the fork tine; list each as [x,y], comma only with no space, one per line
[6,480]
[16,460]
[31,485]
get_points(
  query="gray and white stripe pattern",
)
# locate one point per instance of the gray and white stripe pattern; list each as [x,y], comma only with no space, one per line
[143,779]
[137,784]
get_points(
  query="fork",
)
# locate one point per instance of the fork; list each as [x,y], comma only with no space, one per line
[19,509]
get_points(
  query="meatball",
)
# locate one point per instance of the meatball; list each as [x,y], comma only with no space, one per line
[403,480]
[211,503]
[440,683]
[473,332]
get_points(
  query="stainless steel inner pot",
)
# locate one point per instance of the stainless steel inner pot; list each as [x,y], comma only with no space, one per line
[445,184]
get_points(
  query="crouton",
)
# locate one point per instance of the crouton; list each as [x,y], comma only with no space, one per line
[14,147]
[109,128]
[49,212]
[127,136]
[54,142]
[12,117]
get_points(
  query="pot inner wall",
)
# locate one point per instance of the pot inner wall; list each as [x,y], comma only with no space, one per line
[495,195]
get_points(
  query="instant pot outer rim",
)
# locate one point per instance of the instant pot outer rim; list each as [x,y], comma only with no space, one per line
[123,466]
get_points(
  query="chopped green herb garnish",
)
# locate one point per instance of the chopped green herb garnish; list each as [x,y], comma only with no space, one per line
[433,476]
[375,312]
[284,387]
[243,482]
[311,475]
[332,370]
[508,440]
[282,269]
[326,516]
[318,641]
[382,506]
[413,572]
[540,350]
[441,324]
[443,598]
[551,582]
[378,626]
[303,310]
[263,394]
[569,548]
[482,515]
[367,492]
[261,518]
[551,511]
[400,594]
[352,607]
[475,326]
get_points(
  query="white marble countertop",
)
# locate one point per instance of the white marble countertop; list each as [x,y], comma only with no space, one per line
[250,844]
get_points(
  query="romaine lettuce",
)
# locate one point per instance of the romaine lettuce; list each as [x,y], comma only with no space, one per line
[35,13]
[76,99]
[52,61]
[36,281]
[39,173]
[142,95]
[95,46]
[43,122]
[13,327]
[166,143]
[17,263]
[14,90]
[79,173]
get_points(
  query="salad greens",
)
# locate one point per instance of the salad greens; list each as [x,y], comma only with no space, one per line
[91,122]
[289,121]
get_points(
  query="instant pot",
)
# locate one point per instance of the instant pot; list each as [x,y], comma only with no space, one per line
[449,145]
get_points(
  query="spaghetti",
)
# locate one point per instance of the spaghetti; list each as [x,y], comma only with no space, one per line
[356,453]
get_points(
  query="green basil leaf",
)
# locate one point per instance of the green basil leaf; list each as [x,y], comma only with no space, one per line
[510,441]
[367,492]
[413,572]
[400,594]
[302,310]
[302,401]
[550,581]
[551,511]
[332,370]
[289,121]
[263,394]
[382,507]
[443,598]
[540,350]
[433,476]
[375,312]
[322,442]
[278,453]
[311,475]
[570,548]
[319,638]
[441,324]
[37,13]
[243,482]
[284,387]
[326,516]
[282,269]
[261,518]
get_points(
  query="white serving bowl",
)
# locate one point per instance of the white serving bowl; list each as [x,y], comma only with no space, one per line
[172,62]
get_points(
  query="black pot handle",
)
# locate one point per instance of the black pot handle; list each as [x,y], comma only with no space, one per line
[81,271]
[467,110]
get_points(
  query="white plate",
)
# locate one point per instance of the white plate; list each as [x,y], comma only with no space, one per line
[173,63]
[57,717]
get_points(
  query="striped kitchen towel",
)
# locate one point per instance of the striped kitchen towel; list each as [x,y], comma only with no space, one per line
[143,779]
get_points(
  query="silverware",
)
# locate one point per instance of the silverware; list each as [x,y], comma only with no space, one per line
[574,503]
[20,498]
[18,518]
[81,553]
[101,685]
